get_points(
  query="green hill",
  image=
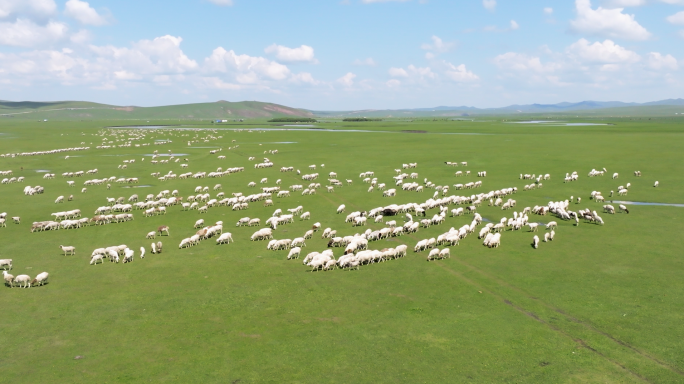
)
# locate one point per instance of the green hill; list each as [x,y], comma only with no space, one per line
[79,110]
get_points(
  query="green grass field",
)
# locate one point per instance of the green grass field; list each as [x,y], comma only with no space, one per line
[598,304]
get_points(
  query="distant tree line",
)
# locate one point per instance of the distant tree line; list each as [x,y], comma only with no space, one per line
[292,120]
[360,119]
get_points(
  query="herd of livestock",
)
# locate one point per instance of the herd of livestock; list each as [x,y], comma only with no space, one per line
[397,220]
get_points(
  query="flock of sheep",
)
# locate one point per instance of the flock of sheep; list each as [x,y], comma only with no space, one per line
[356,245]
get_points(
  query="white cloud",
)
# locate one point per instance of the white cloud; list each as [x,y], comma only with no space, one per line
[673,2]
[607,22]
[246,69]
[438,45]
[677,18]
[367,61]
[605,52]
[81,37]
[224,3]
[489,5]
[624,3]
[37,10]
[84,13]
[459,73]
[522,62]
[657,61]
[548,10]
[303,53]
[304,77]
[398,72]
[347,80]
[514,25]
[393,83]
[26,33]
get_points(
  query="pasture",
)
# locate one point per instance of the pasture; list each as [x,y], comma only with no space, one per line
[599,303]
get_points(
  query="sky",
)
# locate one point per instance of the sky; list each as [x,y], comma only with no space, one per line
[342,54]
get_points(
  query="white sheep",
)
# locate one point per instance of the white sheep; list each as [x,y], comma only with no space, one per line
[24,281]
[128,255]
[95,258]
[151,235]
[535,242]
[142,252]
[305,216]
[294,253]
[9,279]
[341,208]
[225,238]
[656,184]
[6,263]
[68,249]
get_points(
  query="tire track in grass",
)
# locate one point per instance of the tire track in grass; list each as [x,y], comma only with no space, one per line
[571,318]
[536,318]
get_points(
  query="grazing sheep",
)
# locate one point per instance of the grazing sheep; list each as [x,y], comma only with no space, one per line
[68,249]
[151,235]
[16,219]
[159,247]
[547,236]
[154,248]
[6,263]
[24,281]
[163,228]
[9,279]
[225,238]
[551,235]
[656,184]
[128,255]
[433,254]
[535,242]
[623,208]
[341,208]
[95,258]
[200,223]
[142,252]
[294,253]
[551,225]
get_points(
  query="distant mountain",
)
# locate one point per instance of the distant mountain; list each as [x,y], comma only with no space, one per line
[446,111]
[80,110]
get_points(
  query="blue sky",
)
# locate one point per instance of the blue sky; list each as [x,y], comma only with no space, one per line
[342,54]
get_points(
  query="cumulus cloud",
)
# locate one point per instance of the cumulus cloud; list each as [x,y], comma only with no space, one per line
[522,62]
[304,53]
[26,33]
[246,69]
[223,3]
[304,77]
[438,45]
[367,61]
[605,52]
[398,72]
[610,23]
[489,5]
[84,13]
[677,18]
[658,61]
[548,10]
[36,10]
[459,73]
[347,80]
[624,3]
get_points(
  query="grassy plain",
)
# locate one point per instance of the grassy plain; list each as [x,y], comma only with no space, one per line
[598,304]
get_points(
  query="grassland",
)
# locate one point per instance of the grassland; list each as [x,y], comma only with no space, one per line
[598,304]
